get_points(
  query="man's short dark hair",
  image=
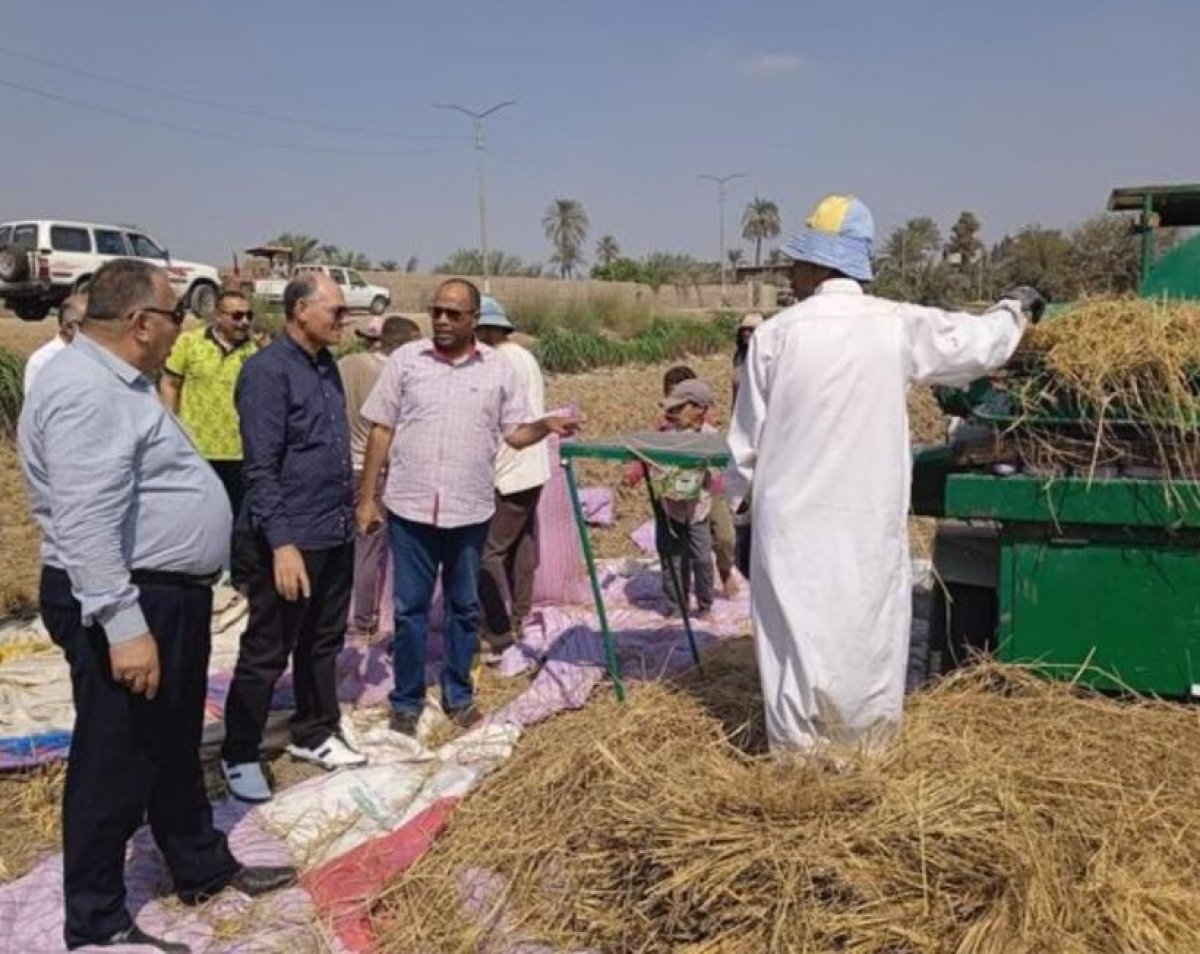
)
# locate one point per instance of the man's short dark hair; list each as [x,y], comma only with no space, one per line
[300,288]
[398,330]
[472,291]
[69,311]
[119,287]
[676,375]
[228,295]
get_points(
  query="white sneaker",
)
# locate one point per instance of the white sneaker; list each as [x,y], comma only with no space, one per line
[331,754]
[246,781]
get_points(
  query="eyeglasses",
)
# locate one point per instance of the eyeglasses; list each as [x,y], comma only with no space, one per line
[436,311]
[239,315]
[176,314]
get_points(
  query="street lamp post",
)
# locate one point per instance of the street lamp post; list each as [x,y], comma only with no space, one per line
[721,181]
[477,118]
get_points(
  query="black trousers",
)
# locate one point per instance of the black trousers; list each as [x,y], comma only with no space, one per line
[229,472]
[131,757]
[510,560]
[312,631]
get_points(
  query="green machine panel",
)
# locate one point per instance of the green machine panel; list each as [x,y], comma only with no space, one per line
[1126,606]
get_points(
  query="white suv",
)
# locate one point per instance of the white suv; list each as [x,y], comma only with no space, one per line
[42,262]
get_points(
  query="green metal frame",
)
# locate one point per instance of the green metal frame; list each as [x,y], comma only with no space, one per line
[633,450]
[1098,580]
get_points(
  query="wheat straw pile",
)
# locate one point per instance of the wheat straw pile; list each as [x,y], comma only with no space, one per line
[1012,816]
[1128,372]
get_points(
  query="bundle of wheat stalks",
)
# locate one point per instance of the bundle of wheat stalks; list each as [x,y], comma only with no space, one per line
[1012,815]
[1126,372]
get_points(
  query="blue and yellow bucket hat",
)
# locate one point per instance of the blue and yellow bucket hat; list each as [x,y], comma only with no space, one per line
[839,234]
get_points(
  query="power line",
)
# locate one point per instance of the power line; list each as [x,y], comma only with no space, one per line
[222,137]
[213,104]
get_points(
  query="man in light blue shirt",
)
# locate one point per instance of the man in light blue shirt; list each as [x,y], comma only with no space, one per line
[136,527]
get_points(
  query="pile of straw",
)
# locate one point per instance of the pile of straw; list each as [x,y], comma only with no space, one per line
[1126,372]
[1011,816]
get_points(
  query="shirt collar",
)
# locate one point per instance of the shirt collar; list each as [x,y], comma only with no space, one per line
[101,355]
[477,353]
[289,342]
[839,286]
[210,332]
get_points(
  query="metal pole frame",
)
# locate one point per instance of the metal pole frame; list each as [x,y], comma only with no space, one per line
[610,647]
[676,583]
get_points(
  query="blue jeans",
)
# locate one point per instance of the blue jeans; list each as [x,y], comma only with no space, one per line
[418,550]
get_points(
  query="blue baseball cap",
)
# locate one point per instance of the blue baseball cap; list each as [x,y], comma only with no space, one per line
[839,233]
[491,315]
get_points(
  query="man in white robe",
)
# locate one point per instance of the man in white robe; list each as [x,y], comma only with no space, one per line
[820,429]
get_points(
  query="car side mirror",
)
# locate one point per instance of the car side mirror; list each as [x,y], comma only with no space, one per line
[166,255]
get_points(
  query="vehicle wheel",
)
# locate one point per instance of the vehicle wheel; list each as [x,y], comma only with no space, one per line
[378,303]
[202,301]
[31,311]
[14,264]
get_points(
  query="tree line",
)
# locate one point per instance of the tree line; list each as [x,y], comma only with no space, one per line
[915,262]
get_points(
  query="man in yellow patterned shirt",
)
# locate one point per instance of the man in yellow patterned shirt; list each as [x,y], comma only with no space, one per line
[198,384]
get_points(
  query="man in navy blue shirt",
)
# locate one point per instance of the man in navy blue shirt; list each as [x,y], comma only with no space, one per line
[296,533]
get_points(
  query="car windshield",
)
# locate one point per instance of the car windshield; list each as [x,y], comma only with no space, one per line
[355,278]
[144,247]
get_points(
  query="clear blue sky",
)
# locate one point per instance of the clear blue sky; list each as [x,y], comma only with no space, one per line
[1022,111]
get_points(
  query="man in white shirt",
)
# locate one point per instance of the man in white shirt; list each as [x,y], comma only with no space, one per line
[70,314]
[510,555]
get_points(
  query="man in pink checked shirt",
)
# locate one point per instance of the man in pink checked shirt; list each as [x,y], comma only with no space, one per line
[442,407]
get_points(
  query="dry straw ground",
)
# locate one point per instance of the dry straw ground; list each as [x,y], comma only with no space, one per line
[1011,816]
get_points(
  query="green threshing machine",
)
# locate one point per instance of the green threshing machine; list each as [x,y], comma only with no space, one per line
[1095,576]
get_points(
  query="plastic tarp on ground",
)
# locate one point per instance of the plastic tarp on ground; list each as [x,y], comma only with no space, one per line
[352,831]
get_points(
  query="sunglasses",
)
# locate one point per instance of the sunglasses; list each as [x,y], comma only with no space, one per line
[239,315]
[436,311]
[176,314]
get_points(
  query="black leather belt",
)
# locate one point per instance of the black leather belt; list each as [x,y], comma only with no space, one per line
[170,578]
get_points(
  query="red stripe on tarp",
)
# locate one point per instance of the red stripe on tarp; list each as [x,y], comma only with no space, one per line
[343,886]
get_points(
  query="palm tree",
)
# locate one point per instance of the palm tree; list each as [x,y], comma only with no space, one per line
[607,250]
[565,223]
[760,221]
[304,247]
[735,256]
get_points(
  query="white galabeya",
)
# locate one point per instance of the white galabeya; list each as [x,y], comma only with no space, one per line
[331,754]
[246,781]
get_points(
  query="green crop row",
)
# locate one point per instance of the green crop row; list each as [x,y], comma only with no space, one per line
[663,339]
[12,380]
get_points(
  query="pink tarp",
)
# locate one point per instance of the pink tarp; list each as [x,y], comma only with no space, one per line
[562,641]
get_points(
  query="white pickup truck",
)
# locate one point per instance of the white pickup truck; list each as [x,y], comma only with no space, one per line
[358,293]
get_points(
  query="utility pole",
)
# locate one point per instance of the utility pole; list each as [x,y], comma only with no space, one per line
[721,181]
[477,118]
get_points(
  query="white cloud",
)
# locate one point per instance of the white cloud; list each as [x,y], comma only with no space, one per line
[772,64]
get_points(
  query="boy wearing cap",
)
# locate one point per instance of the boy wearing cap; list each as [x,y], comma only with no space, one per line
[683,534]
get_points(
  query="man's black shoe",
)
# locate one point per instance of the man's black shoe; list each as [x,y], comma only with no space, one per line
[251,881]
[135,935]
[465,718]
[405,723]
[263,879]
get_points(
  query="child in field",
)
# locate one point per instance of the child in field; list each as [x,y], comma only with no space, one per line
[720,517]
[683,536]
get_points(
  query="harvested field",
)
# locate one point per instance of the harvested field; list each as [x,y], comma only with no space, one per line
[1012,815]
